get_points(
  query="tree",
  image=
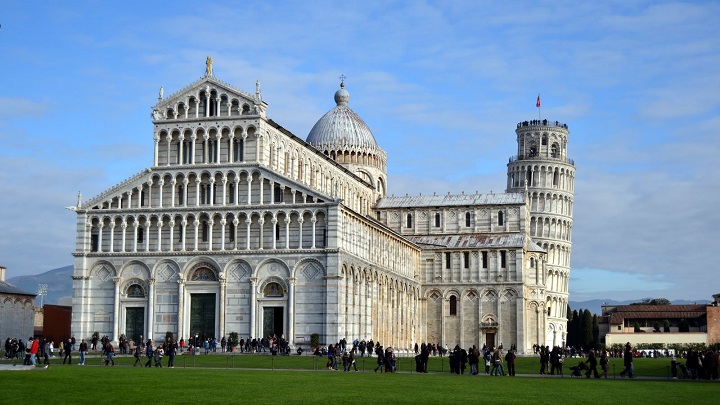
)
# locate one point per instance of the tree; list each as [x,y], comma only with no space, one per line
[653,301]
[587,329]
[595,330]
[666,326]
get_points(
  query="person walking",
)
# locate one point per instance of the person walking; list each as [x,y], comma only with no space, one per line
[380,359]
[510,359]
[83,352]
[592,365]
[109,353]
[34,348]
[628,362]
[605,363]
[67,348]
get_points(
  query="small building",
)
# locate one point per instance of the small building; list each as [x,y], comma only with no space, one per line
[17,310]
[661,324]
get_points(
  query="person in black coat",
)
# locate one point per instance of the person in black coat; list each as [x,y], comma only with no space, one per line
[592,365]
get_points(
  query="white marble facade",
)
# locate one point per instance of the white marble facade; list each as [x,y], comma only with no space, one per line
[241,226]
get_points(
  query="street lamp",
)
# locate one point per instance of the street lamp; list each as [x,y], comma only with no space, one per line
[42,292]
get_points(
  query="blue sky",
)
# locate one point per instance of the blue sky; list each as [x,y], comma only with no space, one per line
[441,84]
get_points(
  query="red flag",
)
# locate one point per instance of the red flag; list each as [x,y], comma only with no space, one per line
[537,103]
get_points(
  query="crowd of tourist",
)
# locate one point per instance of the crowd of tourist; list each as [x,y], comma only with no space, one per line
[697,364]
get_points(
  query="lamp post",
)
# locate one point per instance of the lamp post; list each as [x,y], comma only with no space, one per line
[42,292]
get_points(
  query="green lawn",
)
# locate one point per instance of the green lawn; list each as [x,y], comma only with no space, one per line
[524,365]
[212,380]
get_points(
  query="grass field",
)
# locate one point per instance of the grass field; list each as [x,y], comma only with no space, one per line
[213,379]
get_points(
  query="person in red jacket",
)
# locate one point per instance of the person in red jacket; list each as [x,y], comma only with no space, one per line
[34,347]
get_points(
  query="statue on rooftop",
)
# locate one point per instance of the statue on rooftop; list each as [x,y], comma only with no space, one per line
[208,66]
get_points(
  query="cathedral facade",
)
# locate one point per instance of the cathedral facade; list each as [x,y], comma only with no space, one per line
[241,226]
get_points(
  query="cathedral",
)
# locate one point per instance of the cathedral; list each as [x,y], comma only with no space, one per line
[242,226]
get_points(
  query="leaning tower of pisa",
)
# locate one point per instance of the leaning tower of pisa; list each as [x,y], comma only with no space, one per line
[543,170]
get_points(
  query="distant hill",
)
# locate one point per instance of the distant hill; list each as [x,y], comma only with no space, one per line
[595,305]
[59,282]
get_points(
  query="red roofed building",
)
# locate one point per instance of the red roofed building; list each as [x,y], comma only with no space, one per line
[664,324]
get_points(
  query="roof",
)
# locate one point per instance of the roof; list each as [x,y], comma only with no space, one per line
[622,312]
[7,288]
[468,241]
[342,129]
[451,200]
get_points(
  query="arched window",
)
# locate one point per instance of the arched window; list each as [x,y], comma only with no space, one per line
[549,309]
[273,290]
[437,220]
[409,220]
[532,262]
[467,219]
[554,151]
[135,291]
[501,219]
[453,305]
[203,274]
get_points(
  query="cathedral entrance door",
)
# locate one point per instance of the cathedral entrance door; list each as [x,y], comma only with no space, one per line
[273,321]
[202,315]
[490,339]
[134,323]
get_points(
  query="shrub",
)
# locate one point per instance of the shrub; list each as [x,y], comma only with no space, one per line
[233,339]
[315,340]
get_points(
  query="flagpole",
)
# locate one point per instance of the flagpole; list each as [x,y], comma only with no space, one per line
[538,106]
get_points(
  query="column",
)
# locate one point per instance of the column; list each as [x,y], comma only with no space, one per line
[181,305]
[313,220]
[206,156]
[274,232]
[300,224]
[151,309]
[217,148]
[161,183]
[287,232]
[231,142]
[235,190]
[197,192]
[235,223]
[136,224]
[172,233]
[272,191]
[224,191]
[210,236]
[156,138]
[181,142]
[193,138]
[253,304]
[261,222]
[159,235]
[123,225]
[291,310]
[173,190]
[248,222]
[130,193]
[100,235]
[223,223]
[112,236]
[185,191]
[197,226]
[184,234]
[223,288]
[262,181]
[116,310]
[211,191]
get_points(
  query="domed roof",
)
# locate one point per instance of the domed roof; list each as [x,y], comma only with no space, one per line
[341,128]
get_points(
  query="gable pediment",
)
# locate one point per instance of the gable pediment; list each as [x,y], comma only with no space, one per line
[226,100]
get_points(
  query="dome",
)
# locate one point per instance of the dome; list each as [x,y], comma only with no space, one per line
[341,128]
